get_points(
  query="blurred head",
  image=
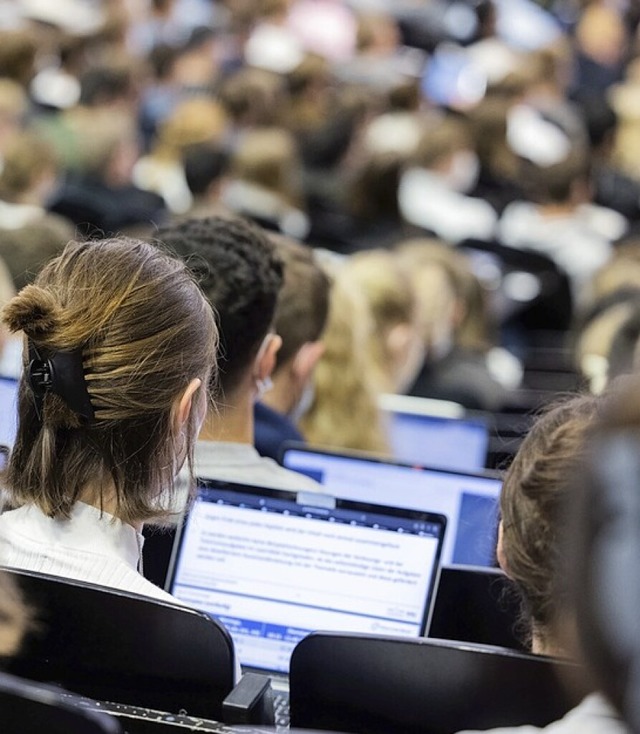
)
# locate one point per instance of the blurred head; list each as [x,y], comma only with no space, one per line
[300,319]
[344,412]
[29,169]
[396,347]
[446,147]
[268,158]
[18,52]
[241,274]
[450,296]
[93,311]
[303,302]
[196,120]
[253,97]
[532,505]
[603,550]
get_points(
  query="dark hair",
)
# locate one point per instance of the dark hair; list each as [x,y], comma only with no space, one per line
[532,502]
[553,184]
[143,331]
[203,163]
[104,84]
[303,303]
[241,275]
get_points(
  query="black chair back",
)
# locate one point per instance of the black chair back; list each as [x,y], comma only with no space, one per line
[478,605]
[382,685]
[26,708]
[115,646]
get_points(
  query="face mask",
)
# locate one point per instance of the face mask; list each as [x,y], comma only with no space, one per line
[263,386]
[463,171]
[304,404]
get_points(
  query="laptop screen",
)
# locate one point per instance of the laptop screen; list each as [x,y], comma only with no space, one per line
[8,411]
[468,500]
[452,443]
[274,566]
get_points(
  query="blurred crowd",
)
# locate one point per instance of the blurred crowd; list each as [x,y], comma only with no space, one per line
[467,171]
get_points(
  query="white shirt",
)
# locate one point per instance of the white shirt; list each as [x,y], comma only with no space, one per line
[579,242]
[240,462]
[91,546]
[593,716]
[426,200]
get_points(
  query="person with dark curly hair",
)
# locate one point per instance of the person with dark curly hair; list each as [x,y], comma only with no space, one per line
[241,274]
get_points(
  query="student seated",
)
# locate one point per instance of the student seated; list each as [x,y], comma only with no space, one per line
[119,347]
[531,549]
[300,318]
[241,276]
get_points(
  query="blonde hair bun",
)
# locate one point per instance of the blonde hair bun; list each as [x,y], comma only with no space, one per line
[34,310]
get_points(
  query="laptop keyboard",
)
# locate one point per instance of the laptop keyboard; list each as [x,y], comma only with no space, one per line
[281,709]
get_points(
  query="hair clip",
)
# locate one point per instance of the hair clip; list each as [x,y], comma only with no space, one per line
[62,374]
[39,377]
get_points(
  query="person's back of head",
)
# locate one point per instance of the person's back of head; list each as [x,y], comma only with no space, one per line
[441,140]
[464,303]
[18,52]
[241,275]
[395,349]
[118,341]
[344,411]
[533,504]
[268,158]
[29,167]
[565,182]
[303,302]
[103,86]
[205,164]
[195,120]
[253,97]
[300,319]
[602,550]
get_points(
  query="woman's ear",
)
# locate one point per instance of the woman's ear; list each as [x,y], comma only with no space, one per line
[184,404]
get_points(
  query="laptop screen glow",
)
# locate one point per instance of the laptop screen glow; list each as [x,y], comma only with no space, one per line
[273,567]
[8,411]
[468,500]
[451,443]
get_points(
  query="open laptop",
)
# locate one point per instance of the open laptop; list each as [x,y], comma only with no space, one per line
[424,432]
[275,565]
[469,500]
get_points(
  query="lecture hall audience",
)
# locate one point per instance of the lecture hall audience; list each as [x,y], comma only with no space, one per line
[347,125]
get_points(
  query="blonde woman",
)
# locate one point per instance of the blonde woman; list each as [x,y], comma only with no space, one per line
[344,412]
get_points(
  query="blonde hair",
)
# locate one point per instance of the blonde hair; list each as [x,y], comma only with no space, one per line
[472,324]
[26,157]
[344,413]
[389,295]
[268,157]
[197,120]
[142,330]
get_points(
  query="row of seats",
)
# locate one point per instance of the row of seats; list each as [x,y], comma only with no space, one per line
[136,652]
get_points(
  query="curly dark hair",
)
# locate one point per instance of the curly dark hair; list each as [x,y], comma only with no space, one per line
[241,275]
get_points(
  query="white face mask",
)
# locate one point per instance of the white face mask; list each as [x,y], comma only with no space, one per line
[263,386]
[304,404]
[463,172]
